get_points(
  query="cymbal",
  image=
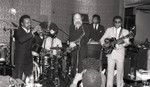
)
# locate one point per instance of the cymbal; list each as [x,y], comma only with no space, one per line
[3,44]
[56,48]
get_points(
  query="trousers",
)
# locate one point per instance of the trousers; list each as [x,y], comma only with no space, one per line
[115,58]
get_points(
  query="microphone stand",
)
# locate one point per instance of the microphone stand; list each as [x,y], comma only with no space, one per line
[64,32]
[11,42]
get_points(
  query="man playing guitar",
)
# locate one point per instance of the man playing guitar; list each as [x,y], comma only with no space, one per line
[118,53]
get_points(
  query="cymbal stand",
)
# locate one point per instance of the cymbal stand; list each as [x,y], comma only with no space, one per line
[56,71]
[42,63]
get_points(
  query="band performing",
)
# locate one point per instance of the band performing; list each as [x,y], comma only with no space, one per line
[41,57]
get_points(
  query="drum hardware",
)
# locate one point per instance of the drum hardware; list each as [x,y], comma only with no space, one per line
[36,71]
[51,66]
[36,49]
[56,48]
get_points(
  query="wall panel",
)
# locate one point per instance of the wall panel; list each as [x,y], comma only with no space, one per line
[57,11]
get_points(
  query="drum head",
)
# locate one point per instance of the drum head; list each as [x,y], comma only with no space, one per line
[35,53]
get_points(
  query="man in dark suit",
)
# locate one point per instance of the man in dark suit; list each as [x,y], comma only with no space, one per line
[23,44]
[96,29]
[78,35]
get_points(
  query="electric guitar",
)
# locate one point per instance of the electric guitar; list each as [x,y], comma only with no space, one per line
[111,43]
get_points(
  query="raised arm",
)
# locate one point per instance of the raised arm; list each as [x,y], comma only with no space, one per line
[22,38]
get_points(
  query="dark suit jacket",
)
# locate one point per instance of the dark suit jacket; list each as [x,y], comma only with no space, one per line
[96,34]
[74,35]
[37,39]
[23,56]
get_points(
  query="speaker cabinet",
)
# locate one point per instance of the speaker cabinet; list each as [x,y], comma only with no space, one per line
[136,60]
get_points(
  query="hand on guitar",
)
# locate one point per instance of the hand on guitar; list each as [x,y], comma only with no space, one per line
[107,43]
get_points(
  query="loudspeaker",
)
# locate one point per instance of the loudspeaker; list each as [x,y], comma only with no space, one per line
[142,59]
[136,61]
[127,66]
[94,51]
[148,60]
[85,18]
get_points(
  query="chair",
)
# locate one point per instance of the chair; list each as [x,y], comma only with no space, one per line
[3,65]
[3,59]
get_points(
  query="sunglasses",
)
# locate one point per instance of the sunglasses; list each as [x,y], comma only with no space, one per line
[117,21]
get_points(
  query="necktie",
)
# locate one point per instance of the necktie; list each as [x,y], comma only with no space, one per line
[52,45]
[52,42]
[95,26]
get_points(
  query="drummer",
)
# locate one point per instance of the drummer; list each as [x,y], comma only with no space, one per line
[52,40]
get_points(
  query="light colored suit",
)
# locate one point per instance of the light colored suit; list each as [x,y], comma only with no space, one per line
[116,57]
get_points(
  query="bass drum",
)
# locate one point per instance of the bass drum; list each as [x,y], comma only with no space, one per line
[55,68]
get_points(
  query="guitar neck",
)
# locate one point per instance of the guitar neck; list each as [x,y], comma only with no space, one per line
[127,36]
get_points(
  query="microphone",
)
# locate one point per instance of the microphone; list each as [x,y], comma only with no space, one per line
[15,25]
[6,29]
[44,24]
[36,20]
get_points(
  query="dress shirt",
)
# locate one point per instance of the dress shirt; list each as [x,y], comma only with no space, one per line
[49,43]
[26,30]
[95,26]
[117,31]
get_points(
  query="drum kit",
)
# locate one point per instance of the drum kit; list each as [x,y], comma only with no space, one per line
[49,66]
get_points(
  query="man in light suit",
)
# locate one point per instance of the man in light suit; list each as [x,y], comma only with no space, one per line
[118,54]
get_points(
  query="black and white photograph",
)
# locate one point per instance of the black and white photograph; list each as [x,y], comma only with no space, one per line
[74,43]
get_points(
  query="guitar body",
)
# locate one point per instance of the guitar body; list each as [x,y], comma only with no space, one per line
[111,42]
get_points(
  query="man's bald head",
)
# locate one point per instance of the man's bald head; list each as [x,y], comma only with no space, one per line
[91,78]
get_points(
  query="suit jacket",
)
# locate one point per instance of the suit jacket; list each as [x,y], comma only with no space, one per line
[98,33]
[110,32]
[37,39]
[75,34]
[23,46]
